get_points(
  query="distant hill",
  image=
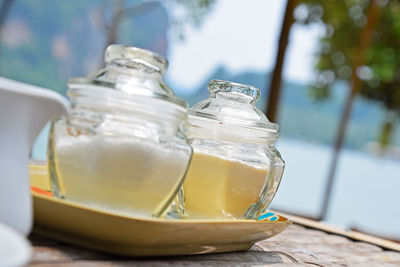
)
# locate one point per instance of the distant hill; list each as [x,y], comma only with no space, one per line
[302,118]
[46,42]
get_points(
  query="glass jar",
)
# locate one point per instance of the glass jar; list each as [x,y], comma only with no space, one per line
[122,147]
[235,168]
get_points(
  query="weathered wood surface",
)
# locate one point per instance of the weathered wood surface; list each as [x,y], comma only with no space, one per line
[297,246]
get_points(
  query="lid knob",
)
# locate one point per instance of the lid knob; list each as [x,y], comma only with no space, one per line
[234,91]
[135,58]
[130,72]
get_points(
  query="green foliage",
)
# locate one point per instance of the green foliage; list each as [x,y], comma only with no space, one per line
[196,10]
[189,12]
[339,46]
[343,22]
[383,59]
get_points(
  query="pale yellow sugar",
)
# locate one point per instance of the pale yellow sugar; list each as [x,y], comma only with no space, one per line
[120,175]
[215,187]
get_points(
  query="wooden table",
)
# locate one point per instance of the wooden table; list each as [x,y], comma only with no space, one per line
[300,245]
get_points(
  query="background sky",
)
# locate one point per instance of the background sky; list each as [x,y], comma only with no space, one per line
[224,39]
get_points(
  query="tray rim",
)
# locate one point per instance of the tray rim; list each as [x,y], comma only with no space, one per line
[72,204]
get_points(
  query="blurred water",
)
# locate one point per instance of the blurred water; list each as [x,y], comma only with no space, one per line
[366,192]
[40,146]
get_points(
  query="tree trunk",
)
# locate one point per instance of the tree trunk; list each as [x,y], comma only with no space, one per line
[372,16]
[275,83]
[387,128]
[111,29]
[120,11]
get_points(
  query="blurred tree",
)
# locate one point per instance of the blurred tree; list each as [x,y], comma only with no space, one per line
[188,12]
[380,74]
[119,11]
[184,12]
[359,46]
[370,60]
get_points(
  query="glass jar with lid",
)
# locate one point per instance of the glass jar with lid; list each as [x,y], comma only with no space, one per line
[235,168]
[121,148]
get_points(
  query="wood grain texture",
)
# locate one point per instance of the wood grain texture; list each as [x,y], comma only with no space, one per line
[387,244]
[297,246]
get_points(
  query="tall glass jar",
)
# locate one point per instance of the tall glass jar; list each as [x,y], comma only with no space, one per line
[121,148]
[235,168]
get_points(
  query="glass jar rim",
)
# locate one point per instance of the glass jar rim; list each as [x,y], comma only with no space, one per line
[222,119]
[231,106]
[82,82]
[112,101]
[208,127]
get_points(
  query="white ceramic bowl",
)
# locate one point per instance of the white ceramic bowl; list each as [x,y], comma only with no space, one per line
[15,249]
